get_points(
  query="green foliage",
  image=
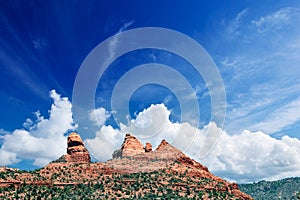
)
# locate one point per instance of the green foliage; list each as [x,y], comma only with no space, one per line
[161,184]
[2,175]
[288,188]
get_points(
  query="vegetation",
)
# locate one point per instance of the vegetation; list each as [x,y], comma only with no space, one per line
[288,188]
[148,185]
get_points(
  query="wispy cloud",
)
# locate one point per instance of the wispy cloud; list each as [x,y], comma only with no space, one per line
[280,118]
[234,25]
[114,42]
[18,70]
[257,108]
[276,20]
[17,59]
[230,63]
[39,43]
[167,99]
[125,26]
[261,72]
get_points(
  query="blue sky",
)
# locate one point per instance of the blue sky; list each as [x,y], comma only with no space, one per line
[255,46]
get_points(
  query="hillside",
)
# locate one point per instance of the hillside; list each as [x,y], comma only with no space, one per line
[134,172]
[288,188]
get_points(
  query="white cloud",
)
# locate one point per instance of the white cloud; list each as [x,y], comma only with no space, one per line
[44,140]
[99,116]
[253,156]
[107,140]
[8,158]
[276,20]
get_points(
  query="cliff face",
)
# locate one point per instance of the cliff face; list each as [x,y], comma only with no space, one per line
[76,151]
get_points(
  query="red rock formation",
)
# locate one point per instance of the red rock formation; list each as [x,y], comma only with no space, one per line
[162,144]
[148,147]
[130,147]
[191,163]
[76,151]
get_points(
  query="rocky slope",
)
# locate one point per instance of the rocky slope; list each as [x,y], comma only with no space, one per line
[136,171]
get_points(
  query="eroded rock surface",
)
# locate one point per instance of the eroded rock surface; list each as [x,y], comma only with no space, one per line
[76,151]
[130,147]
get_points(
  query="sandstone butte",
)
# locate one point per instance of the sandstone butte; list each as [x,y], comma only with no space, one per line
[76,151]
[132,157]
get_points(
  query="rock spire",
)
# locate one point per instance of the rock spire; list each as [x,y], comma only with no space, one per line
[76,151]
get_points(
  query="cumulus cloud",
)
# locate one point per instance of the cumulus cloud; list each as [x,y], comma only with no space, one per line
[245,157]
[153,124]
[43,140]
[99,116]
[107,140]
[149,123]
[252,156]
